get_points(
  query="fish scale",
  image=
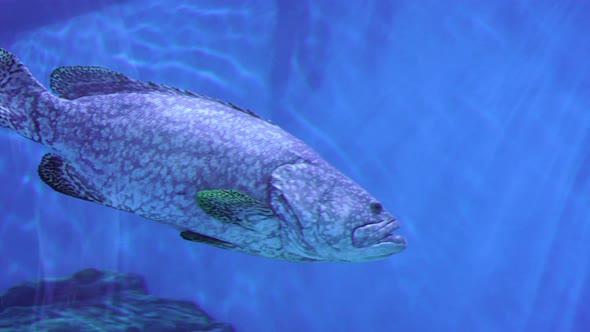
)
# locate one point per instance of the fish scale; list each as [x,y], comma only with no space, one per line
[152,150]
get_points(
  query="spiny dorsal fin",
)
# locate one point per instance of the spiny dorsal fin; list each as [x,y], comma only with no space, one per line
[233,106]
[82,81]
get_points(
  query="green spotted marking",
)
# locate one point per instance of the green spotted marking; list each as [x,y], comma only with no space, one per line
[233,207]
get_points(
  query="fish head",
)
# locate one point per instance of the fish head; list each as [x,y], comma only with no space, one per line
[328,217]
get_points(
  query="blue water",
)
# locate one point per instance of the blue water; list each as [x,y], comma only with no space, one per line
[470,120]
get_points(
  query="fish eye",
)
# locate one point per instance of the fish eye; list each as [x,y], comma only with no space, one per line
[376,207]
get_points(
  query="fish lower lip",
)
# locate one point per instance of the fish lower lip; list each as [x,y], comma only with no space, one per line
[398,239]
[380,232]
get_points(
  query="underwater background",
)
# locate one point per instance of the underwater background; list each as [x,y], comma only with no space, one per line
[469,120]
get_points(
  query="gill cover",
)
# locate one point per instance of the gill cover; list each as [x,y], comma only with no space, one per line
[296,194]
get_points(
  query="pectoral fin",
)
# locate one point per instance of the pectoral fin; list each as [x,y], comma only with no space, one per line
[233,207]
[62,176]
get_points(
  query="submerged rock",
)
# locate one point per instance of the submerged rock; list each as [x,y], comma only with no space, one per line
[93,300]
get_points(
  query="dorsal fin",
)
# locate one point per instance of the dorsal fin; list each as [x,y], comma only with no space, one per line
[230,105]
[82,81]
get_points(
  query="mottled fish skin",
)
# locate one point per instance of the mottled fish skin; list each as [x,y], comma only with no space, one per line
[150,149]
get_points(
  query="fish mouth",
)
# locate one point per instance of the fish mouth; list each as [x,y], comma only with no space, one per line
[378,233]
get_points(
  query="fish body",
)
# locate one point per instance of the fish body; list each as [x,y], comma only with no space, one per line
[217,173]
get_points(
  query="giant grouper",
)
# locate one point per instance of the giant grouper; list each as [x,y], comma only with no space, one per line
[217,173]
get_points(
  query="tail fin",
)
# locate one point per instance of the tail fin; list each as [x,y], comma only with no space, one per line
[21,95]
